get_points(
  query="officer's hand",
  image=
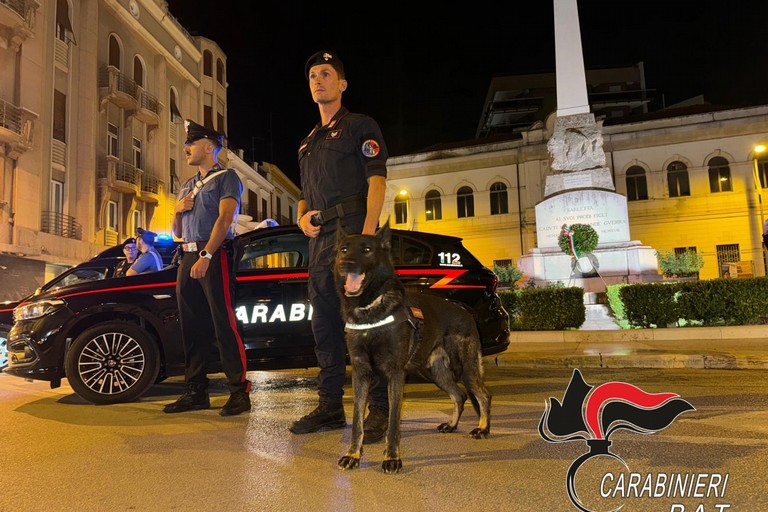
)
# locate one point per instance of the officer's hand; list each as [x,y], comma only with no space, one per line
[307,227]
[199,268]
[185,204]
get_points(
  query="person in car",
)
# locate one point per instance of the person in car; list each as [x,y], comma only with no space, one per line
[131,252]
[149,260]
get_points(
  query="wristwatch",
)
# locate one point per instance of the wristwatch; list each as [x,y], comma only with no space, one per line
[205,254]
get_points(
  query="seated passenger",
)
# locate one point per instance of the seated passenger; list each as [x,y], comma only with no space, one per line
[149,260]
[131,251]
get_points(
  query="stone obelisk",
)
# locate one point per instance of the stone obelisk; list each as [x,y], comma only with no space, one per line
[579,189]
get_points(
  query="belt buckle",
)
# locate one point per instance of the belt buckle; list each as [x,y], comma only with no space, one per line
[190,247]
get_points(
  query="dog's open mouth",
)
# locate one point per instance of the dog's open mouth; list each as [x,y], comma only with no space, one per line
[353,285]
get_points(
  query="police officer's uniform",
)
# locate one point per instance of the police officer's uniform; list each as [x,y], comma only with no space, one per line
[336,161]
[205,305]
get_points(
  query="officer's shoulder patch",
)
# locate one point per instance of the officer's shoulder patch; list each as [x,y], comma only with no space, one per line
[371,148]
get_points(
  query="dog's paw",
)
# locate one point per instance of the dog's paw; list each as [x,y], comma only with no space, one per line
[392,466]
[446,428]
[347,462]
[480,433]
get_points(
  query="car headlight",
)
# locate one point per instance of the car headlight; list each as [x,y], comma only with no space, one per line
[36,309]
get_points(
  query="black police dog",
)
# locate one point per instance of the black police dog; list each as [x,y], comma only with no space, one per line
[382,339]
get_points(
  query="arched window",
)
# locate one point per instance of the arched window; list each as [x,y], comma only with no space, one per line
[115,53]
[433,205]
[465,202]
[637,185]
[401,209]
[220,71]
[207,63]
[138,71]
[499,199]
[677,179]
[719,175]
[176,116]
[63,24]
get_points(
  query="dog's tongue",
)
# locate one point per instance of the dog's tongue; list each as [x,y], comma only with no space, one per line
[353,283]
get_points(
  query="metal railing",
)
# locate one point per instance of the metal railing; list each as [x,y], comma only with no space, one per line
[59,224]
[20,7]
[123,171]
[150,184]
[10,116]
[114,79]
[147,101]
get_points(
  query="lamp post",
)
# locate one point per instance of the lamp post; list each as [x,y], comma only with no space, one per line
[759,149]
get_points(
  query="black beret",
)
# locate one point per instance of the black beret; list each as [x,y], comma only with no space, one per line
[325,57]
[197,132]
[130,240]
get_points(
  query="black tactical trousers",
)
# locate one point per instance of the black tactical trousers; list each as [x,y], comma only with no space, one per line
[207,317]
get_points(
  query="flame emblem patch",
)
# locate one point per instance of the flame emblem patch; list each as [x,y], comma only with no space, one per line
[371,148]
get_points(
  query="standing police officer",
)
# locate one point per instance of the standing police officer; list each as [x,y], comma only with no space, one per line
[205,213]
[343,179]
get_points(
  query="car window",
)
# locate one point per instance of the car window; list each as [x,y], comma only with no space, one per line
[279,251]
[78,275]
[407,251]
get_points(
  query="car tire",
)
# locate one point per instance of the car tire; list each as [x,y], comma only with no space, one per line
[112,362]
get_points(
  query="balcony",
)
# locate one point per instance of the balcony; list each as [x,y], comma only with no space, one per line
[148,108]
[118,89]
[59,224]
[18,17]
[16,128]
[151,188]
[118,176]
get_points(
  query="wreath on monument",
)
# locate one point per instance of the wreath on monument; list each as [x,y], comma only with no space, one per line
[579,240]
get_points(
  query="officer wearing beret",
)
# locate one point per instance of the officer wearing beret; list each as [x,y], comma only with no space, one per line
[131,252]
[206,209]
[149,260]
[343,179]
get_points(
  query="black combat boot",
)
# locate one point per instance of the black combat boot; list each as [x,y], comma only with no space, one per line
[194,398]
[375,426]
[238,403]
[324,417]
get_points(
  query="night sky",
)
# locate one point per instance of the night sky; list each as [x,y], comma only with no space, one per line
[422,69]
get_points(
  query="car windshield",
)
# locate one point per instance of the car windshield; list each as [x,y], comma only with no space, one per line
[77,275]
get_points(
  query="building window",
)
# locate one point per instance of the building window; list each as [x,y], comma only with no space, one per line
[113,140]
[138,71]
[176,116]
[138,219]
[679,251]
[114,52]
[290,213]
[401,210]
[499,199]
[64,30]
[112,215]
[220,117]
[727,254]
[208,111]
[175,182]
[207,63]
[57,197]
[253,204]
[137,163]
[465,202]
[677,179]
[278,206]
[220,71]
[433,205]
[637,186]
[59,116]
[762,172]
[719,175]
[264,209]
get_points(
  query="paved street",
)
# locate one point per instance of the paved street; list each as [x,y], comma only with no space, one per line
[64,454]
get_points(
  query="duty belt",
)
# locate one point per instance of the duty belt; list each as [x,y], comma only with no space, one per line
[349,206]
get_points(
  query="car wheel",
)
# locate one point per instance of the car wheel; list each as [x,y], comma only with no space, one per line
[112,362]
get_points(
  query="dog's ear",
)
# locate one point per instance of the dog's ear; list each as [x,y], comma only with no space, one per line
[384,235]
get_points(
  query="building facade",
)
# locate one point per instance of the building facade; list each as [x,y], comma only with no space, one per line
[693,180]
[93,96]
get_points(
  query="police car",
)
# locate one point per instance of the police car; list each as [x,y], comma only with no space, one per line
[113,338]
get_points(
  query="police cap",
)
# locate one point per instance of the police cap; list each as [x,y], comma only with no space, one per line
[146,235]
[197,132]
[325,57]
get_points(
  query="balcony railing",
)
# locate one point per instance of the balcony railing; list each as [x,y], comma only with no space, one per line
[59,224]
[120,176]
[150,184]
[10,116]
[148,101]
[16,128]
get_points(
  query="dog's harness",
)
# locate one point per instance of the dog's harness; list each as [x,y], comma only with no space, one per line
[411,314]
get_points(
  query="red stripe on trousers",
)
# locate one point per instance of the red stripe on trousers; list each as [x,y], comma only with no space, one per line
[231,316]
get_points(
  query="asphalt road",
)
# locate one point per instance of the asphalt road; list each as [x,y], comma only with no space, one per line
[61,453]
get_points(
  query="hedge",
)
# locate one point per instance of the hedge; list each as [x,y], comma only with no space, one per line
[544,309]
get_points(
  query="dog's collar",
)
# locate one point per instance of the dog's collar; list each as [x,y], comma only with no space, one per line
[399,316]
